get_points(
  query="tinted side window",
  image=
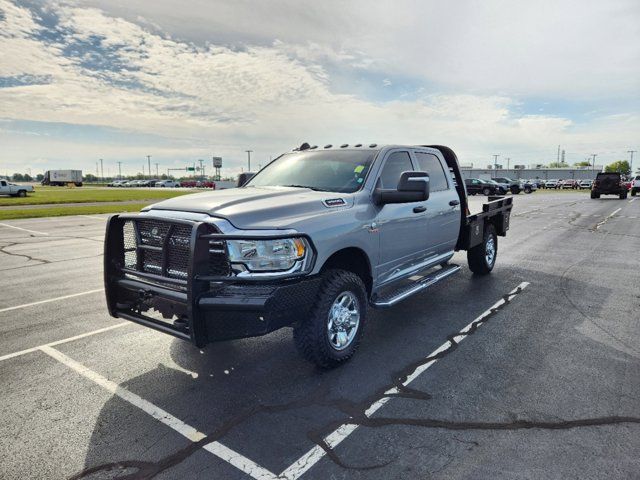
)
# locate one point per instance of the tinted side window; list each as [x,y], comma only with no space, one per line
[430,164]
[396,163]
[3,183]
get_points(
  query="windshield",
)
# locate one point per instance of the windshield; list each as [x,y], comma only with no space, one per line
[341,171]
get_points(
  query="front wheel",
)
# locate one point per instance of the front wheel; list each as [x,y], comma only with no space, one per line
[527,189]
[332,332]
[594,194]
[623,196]
[515,190]
[482,258]
[486,191]
[633,192]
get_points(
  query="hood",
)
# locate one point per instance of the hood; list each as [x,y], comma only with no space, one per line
[259,207]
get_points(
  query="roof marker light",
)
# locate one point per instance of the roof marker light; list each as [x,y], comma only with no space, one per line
[314,146]
[358,145]
[373,145]
[328,146]
[344,145]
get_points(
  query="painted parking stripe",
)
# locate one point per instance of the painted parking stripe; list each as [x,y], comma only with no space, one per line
[49,300]
[24,229]
[224,453]
[607,218]
[313,456]
[64,340]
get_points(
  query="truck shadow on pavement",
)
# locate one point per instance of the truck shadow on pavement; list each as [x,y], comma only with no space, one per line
[257,397]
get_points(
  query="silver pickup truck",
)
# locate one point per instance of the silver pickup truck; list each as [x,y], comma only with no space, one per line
[13,189]
[311,241]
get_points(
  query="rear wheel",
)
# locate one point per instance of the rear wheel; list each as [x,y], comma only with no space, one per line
[633,192]
[594,194]
[623,196]
[527,189]
[515,190]
[332,332]
[482,258]
[22,193]
[486,191]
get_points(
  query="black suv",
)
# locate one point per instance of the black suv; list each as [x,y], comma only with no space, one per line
[608,184]
[477,185]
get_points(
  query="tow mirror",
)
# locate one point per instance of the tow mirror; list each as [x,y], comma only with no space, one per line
[412,187]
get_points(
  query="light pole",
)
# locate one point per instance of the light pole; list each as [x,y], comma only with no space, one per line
[149,163]
[248,160]
[201,169]
[631,152]
[495,163]
[594,155]
[101,171]
[120,170]
[157,171]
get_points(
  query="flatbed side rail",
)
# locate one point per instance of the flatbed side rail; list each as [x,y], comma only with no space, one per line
[497,212]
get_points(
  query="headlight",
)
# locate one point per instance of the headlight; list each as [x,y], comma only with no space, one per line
[267,255]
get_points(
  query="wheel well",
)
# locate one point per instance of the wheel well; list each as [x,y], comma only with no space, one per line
[354,260]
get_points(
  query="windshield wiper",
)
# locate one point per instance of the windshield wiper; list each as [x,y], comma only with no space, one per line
[315,189]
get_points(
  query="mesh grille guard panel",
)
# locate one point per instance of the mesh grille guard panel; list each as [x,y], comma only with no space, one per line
[164,249]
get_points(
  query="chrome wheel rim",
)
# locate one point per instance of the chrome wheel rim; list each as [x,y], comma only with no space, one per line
[490,250]
[343,321]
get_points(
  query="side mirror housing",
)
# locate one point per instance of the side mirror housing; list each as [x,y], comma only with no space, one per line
[412,187]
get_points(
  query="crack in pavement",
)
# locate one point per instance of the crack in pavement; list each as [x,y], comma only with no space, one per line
[28,257]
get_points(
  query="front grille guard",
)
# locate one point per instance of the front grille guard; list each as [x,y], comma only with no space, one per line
[184,291]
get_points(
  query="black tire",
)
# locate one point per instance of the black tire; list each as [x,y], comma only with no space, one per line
[623,196]
[311,335]
[527,189]
[515,190]
[486,191]
[633,192]
[594,194]
[477,256]
[22,193]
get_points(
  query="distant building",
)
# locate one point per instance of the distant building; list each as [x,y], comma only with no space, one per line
[579,173]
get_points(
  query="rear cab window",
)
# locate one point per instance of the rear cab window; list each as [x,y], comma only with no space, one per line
[427,162]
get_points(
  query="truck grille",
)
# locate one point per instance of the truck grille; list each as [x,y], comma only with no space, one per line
[163,249]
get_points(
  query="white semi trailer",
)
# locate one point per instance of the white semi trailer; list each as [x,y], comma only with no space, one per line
[62,177]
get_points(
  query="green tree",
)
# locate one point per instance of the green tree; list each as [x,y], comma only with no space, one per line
[621,166]
[17,177]
[558,165]
[582,164]
[39,177]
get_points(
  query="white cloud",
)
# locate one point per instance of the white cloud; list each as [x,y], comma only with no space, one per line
[202,98]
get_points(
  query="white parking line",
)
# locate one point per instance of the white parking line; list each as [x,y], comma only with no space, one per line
[607,218]
[230,456]
[632,200]
[313,456]
[64,340]
[40,302]
[23,229]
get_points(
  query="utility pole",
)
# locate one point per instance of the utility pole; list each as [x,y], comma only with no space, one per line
[594,155]
[157,175]
[508,160]
[101,171]
[248,160]
[97,170]
[631,152]
[495,163]
[149,162]
[201,169]
[120,170]
[558,159]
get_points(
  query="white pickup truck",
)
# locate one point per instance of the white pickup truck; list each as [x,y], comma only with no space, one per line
[14,190]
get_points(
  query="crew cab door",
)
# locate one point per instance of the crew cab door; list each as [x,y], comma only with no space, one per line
[4,187]
[443,206]
[401,227]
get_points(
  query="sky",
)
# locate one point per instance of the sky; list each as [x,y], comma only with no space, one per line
[187,80]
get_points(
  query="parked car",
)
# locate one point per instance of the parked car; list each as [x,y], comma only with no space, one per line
[14,190]
[116,183]
[312,245]
[485,187]
[635,185]
[551,183]
[569,183]
[608,184]
[585,184]
[529,186]
[514,186]
[538,182]
[167,184]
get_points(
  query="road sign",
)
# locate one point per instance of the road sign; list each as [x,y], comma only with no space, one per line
[191,169]
[217,162]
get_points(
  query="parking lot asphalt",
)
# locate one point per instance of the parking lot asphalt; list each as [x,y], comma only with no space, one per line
[530,372]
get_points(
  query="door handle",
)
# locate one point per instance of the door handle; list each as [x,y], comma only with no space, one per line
[419,209]
[453,203]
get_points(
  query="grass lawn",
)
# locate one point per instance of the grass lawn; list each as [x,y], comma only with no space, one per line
[12,214]
[45,195]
